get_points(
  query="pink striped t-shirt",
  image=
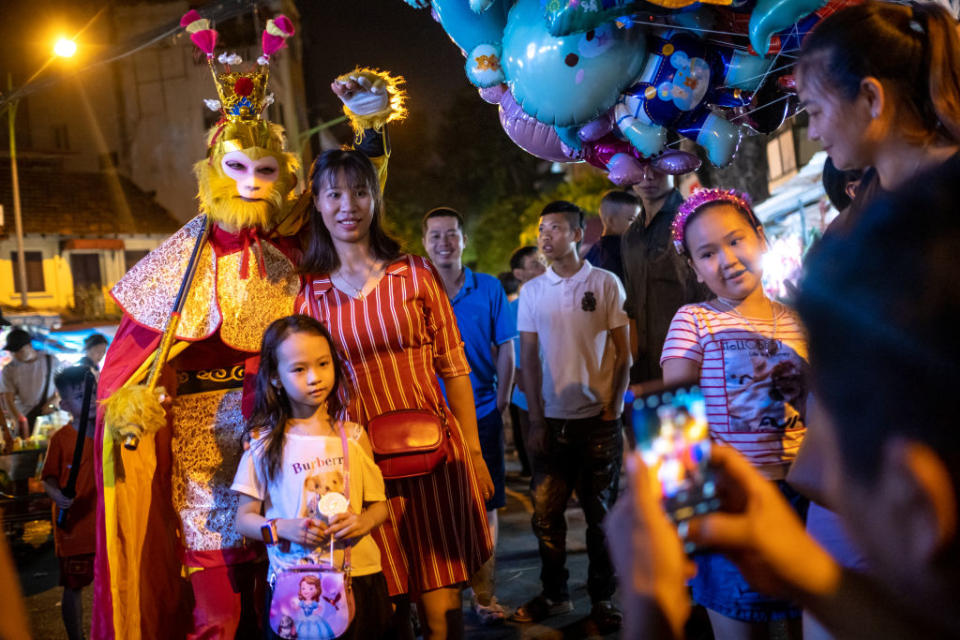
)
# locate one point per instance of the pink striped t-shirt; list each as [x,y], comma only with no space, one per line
[755,402]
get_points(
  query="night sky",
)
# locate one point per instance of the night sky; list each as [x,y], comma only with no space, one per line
[338,35]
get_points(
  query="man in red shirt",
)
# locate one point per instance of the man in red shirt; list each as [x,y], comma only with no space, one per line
[76,540]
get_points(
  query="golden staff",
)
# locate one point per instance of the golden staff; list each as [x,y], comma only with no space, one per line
[142,400]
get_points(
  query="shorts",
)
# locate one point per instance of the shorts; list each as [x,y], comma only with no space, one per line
[720,586]
[76,572]
[490,430]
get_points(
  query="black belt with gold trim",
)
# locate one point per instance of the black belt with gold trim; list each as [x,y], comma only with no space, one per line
[206,380]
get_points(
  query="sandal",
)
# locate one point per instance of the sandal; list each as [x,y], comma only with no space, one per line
[489,614]
[541,608]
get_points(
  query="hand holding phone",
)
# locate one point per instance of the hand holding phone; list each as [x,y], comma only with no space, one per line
[670,430]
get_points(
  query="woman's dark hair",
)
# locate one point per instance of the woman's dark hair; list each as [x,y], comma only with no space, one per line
[271,407]
[913,49]
[320,255]
[835,183]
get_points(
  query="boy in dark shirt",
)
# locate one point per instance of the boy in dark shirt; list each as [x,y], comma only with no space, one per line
[75,542]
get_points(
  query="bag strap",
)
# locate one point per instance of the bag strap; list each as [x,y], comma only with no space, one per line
[46,387]
[346,492]
[38,408]
[346,460]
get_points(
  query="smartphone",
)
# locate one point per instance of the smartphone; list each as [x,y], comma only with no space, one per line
[669,428]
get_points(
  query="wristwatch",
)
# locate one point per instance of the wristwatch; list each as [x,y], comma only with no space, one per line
[269,532]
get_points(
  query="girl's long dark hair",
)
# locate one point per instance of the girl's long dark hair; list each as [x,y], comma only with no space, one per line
[912,49]
[320,255]
[271,407]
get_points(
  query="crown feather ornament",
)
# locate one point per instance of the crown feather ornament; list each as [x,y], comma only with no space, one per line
[242,95]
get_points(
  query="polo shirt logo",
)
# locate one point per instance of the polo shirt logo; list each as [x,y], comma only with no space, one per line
[589,302]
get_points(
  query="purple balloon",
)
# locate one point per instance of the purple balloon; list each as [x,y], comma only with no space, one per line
[528,133]
[596,129]
[573,155]
[493,94]
[624,170]
[676,162]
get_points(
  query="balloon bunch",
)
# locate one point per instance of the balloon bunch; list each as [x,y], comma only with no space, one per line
[604,81]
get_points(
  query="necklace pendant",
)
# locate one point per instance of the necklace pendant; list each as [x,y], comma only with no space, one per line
[771,347]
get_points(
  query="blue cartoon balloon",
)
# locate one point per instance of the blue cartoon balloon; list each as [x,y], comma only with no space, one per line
[771,16]
[571,79]
[682,79]
[574,16]
[476,26]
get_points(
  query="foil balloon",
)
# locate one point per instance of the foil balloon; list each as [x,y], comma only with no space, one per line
[476,27]
[528,133]
[770,16]
[625,165]
[564,17]
[492,94]
[572,79]
[596,129]
[682,79]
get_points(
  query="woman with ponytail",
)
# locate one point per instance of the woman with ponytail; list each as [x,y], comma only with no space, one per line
[881,85]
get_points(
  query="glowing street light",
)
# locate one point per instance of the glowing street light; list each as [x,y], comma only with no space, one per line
[65,48]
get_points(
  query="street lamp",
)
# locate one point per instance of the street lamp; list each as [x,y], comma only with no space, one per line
[64,48]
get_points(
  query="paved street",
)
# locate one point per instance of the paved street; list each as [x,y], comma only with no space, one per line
[518,571]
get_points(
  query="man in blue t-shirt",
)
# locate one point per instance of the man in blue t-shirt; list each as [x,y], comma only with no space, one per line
[488,330]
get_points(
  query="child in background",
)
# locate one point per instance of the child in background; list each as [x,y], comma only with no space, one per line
[296,452]
[76,541]
[749,354]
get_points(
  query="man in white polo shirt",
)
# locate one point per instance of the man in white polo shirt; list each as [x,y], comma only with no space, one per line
[575,363]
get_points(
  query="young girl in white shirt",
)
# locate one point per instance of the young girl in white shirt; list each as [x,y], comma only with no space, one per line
[295,458]
[749,354]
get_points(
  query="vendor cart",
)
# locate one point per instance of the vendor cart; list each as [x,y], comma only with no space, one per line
[22,499]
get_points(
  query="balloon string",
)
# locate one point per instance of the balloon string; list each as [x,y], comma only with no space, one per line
[686,28]
[758,107]
[764,74]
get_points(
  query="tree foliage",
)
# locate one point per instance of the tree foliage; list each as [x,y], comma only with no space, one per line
[465,161]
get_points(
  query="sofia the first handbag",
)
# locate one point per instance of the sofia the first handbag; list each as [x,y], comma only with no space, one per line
[315,601]
[408,443]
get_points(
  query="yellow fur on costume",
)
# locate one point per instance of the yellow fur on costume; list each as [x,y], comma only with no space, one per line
[134,411]
[218,192]
[395,109]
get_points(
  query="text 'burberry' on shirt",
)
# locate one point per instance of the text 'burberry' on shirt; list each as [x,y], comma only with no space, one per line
[317,463]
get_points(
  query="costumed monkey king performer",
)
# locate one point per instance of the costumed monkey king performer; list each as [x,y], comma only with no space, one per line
[178,376]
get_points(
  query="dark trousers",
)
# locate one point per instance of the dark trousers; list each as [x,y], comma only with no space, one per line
[520,420]
[582,455]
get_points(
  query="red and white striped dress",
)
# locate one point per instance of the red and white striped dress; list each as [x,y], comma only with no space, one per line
[755,400]
[397,340]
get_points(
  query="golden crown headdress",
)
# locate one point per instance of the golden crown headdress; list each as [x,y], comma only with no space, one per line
[242,95]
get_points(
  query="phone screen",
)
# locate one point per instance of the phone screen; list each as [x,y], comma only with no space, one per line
[669,428]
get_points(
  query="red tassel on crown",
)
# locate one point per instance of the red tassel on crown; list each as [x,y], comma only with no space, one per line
[243,95]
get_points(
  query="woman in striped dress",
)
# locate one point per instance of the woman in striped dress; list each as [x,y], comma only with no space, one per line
[393,322]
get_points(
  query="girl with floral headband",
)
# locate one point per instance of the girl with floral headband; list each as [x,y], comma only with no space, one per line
[750,357]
